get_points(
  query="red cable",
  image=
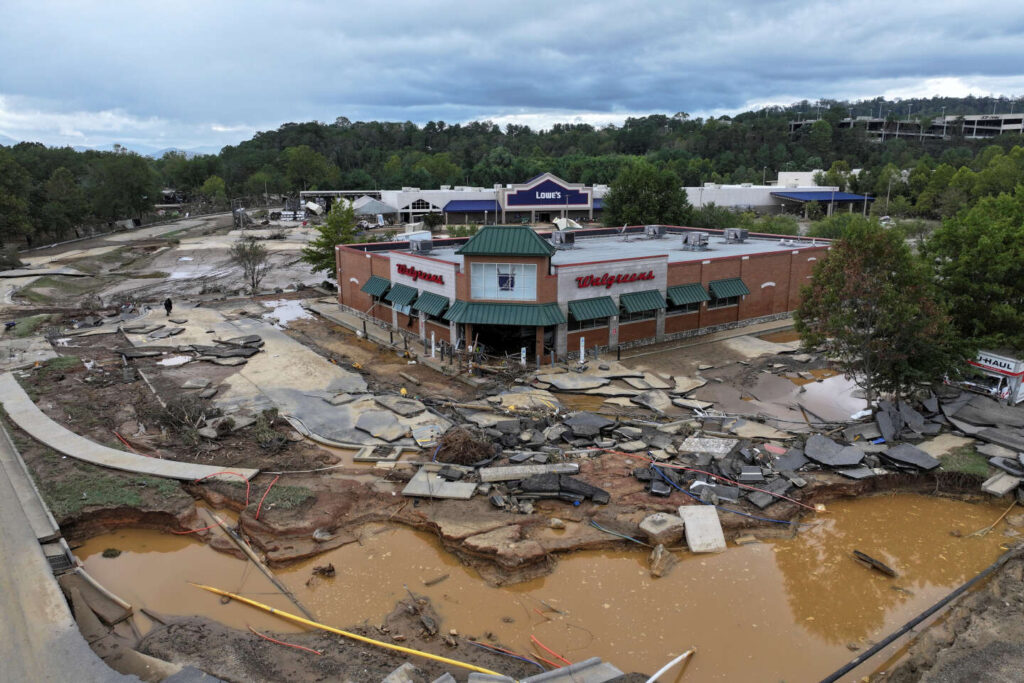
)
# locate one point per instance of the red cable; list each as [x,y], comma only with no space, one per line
[260,506]
[710,474]
[281,642]
[234,474]
[548,649]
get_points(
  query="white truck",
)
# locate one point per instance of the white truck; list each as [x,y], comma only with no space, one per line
[998,376]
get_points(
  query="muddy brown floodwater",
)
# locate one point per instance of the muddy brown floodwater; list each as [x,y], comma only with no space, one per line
[777,610]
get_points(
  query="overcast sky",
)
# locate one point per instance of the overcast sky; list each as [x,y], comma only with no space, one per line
[205,74]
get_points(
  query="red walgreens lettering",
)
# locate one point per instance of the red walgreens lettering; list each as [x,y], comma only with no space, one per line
[607,279]
[417,274]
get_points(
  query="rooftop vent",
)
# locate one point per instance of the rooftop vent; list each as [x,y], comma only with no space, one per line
[695,241]
[421,246]
[563,238]
[654,232]
[736,235]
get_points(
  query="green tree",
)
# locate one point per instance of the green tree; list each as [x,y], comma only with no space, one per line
[65,205]
[214,189]
[305,167]
[873,308]
[15,185]
[839,225]
[433,220]
[641,194]
[122,185]
[979,262]
[338,228]
[253,259]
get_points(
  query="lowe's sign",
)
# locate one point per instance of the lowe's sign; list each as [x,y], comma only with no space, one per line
[548,193]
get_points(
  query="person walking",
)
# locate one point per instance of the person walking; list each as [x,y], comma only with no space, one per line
[168,306]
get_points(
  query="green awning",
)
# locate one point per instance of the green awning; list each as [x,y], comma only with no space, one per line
[526,315]
[638,302]
[376,286]
[588,309]
[401,295]
[431,304]
[723,289]
[681,295]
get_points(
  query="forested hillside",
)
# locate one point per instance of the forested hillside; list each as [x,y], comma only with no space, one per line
[45,193]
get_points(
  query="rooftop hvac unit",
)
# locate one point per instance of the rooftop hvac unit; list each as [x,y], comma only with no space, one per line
[736,235]
[654,232]
[421,246]
[563,238]
[696,241]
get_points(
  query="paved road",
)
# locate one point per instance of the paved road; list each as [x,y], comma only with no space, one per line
[24,413]
[39,640]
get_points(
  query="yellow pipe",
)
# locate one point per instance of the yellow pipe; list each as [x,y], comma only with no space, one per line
[353,636]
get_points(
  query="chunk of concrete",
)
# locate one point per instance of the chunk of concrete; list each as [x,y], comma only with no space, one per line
[684,385]
[824,450]
[691,403]
[196,383]
[703,528]
[230,362]
[662,528]
[382,425]
[655,399]
[572,381]
[717,448]
[406,407]
[1000,484]
[340,399]
[512,473]
[661,561]
[425,484]
[631,446]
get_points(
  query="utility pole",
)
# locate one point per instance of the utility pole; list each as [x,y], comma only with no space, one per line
[887,195]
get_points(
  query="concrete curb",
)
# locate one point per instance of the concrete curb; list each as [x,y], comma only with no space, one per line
[26,415]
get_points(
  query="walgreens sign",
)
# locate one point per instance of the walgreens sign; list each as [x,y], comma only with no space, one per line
[417,274]
[607,279]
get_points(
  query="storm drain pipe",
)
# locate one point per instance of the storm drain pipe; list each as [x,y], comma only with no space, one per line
[860,659]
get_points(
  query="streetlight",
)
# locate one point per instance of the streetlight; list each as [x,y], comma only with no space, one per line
[943,123]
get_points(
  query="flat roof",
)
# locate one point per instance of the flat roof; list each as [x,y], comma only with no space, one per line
[608,245]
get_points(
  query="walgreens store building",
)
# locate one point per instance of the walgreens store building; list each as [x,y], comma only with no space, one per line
[510,287]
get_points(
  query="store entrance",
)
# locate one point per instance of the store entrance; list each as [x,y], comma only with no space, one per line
[506,340]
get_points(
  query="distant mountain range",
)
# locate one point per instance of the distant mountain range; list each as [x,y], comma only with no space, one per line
[144,150]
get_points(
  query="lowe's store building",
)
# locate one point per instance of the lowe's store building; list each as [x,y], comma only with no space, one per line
[509,287]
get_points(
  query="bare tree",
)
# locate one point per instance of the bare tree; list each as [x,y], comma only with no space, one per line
[254,261]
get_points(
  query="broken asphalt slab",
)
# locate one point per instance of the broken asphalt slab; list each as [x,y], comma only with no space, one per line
[905,454]
[571,381]
[825,451]
[426,484]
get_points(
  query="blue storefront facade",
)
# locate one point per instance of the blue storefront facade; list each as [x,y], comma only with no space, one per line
[539,200]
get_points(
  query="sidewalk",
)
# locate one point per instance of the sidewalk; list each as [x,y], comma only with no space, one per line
[39,640]
[26,415]
[332,311]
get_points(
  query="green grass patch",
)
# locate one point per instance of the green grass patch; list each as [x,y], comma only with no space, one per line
[26,327]
[967,461]
[60,364]
[287,497]
[92,486]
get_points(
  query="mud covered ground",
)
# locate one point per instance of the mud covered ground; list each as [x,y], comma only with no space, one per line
[980,639]
[242,656]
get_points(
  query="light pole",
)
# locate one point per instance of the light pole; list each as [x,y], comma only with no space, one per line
[943,123]
[764,172]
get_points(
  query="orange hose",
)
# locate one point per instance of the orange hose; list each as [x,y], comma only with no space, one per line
[260,506]
[549,650]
